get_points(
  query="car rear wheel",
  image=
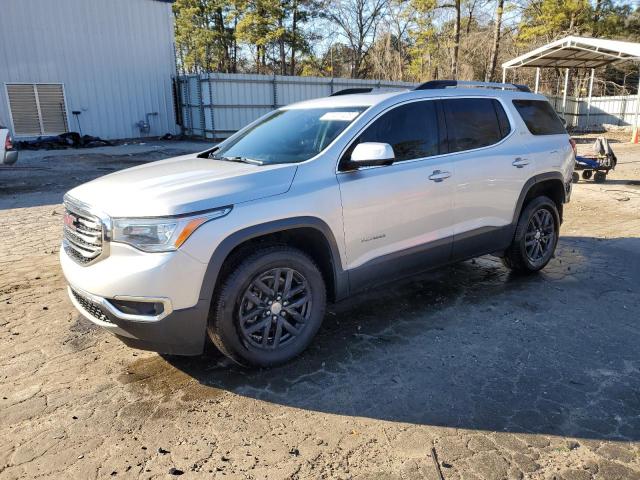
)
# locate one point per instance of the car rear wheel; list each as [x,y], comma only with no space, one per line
[269,308]
[536,237]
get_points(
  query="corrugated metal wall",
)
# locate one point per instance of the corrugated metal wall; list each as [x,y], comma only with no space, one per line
[217,104]
[114,57]
[619,111]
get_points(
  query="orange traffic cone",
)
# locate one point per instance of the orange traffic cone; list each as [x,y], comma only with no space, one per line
[635,134]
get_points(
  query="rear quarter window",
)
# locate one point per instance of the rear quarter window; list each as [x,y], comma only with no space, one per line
[540,117]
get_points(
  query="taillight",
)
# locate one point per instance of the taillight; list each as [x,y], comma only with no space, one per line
[574,146]
[8,144]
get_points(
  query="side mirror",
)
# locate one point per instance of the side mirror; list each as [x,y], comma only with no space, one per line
[372,154]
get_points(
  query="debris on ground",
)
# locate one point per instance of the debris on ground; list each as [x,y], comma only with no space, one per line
[434,457]
[62,141]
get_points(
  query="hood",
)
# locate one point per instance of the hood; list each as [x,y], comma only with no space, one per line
[182,185]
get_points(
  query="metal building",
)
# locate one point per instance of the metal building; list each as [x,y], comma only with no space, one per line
[104,67]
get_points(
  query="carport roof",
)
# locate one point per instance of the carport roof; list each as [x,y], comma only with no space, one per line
[582,52]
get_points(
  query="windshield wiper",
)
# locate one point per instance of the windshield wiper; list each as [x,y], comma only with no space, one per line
[240,159]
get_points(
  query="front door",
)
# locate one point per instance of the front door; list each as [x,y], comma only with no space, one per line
[397,218]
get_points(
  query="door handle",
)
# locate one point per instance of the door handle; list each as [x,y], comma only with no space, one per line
[439,175]
[520,162]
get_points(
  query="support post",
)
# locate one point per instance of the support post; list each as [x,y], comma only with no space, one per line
[504,75]
[564,94]
[589,99]
[274,86]
[203,122]
[211,113]
[634,136]
[537,79]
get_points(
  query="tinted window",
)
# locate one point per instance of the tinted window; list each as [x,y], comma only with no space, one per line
[474,123]
[411,129]
[503,121]
[540,117]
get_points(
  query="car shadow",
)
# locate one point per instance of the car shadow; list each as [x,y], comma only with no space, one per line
[473,346]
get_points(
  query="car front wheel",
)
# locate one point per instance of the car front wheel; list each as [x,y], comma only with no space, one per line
[269,308]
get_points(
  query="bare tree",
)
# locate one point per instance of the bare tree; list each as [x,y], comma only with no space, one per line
[496,42]
[470,10]
[456,5]
[357,21]
[294,33]
[389,54]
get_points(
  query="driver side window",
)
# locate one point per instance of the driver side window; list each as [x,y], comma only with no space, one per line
[411,129]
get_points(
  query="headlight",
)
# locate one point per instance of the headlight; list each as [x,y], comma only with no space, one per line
[160,234]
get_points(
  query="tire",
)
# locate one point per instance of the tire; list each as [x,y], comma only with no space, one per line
[600,177]
[241,307]
[587,174]
[575,177]
[538,221]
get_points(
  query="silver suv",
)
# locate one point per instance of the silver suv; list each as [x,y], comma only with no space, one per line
[246,242]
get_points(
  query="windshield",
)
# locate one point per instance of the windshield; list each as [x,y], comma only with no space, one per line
[289,136]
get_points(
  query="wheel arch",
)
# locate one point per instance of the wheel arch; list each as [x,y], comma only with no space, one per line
[309,234]
[550,184]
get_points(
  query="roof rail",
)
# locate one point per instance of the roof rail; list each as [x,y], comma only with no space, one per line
[349,91]
[438,84]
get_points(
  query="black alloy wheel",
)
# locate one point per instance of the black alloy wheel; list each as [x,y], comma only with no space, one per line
[268,307]
[540,235]
[274,308]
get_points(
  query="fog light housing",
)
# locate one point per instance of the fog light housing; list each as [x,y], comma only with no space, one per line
[131,307]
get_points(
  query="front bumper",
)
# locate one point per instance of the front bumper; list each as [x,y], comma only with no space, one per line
[177,332]
[126,271]
[172,280]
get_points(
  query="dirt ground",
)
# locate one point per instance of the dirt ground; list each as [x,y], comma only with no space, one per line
[504,376]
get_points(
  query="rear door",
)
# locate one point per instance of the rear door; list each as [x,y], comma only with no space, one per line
[490,167]
[397,218]
[549,142]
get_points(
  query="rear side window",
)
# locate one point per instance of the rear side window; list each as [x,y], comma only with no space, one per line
[474,123]
[411,129]
[540,117]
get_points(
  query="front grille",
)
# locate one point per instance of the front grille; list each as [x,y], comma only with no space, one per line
[82,235]
[92,308]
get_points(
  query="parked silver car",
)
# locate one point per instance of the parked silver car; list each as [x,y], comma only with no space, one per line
[246,242]
[8,153]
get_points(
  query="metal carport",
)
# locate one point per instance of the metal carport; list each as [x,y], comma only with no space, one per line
[579,52]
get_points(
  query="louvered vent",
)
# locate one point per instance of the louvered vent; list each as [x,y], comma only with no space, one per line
[37,109]
[24,109]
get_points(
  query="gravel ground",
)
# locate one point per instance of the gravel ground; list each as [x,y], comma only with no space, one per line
[506,377]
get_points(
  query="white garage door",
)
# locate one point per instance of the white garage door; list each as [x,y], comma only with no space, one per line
[37,108]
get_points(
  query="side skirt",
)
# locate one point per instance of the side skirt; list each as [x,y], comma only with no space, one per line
[422,258]
[481,242]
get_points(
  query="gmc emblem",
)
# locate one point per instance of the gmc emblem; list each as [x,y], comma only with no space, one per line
[70,220]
